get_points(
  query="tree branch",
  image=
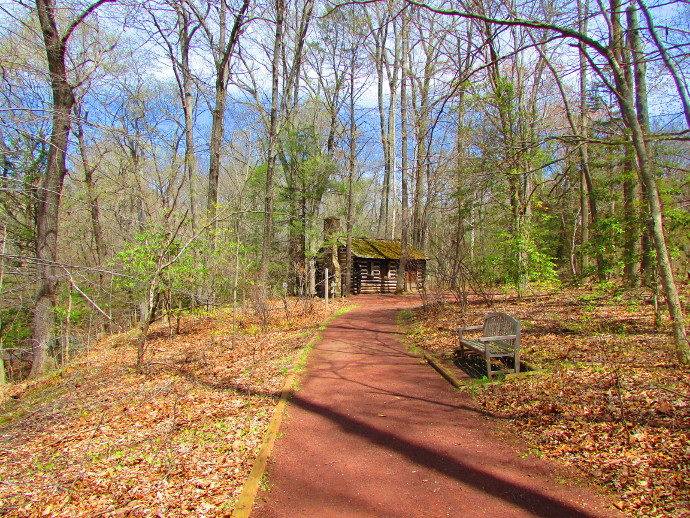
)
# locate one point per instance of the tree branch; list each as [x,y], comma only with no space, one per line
[520,22]
[682,90]
[74,285]
[81,18]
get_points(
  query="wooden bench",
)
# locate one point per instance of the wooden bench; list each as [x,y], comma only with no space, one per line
[501,340]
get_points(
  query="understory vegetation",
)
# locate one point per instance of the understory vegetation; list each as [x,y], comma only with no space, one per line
[610,399]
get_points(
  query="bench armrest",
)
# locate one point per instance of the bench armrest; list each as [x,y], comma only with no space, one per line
[459,330]
[468,328]
[497,338]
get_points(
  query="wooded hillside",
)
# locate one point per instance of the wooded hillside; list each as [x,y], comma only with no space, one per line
[170,154]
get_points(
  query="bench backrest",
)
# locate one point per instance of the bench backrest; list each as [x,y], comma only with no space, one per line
[502,324]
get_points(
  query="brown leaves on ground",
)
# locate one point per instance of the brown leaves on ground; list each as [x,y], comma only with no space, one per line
[612,401]
[96,439]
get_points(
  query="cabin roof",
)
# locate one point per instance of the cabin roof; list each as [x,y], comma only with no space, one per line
[382,249]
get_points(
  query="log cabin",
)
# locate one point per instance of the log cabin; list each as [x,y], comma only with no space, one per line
[375,266]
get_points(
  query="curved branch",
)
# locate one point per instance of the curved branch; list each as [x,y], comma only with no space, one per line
[81,18]
[521,22]
[234,35]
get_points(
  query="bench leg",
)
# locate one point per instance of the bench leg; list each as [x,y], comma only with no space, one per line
[517,363]
[488,367]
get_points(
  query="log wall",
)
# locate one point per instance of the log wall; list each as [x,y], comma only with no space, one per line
[372,276]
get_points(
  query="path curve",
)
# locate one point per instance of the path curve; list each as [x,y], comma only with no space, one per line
[373,431]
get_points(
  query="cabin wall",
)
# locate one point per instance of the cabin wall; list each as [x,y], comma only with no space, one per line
[375,276]
[371,276]
[381,275]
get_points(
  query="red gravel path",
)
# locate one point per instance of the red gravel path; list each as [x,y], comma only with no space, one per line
[373,431]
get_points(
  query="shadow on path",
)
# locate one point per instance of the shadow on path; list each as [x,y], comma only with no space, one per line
[522,496]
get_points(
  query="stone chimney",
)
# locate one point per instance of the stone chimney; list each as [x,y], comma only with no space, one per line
[331,227]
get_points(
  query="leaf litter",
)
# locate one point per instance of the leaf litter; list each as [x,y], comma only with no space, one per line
[611,402]
[97,439]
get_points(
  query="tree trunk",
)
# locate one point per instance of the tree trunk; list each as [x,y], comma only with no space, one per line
[421,131]
[272,143]
[147,319]
[217,125]
[630,115]
[622,55]
[588,203]
[51,189]
[590,213]
[646,272]
[2,286]
[188,109]
[91,195]
[401,280]
[382,34]
[347,288]
[630,220]
[223,53]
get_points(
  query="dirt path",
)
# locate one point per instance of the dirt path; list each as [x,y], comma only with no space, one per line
[373,431]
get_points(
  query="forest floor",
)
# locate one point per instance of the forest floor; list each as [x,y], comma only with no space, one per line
[611,401]
[97,439]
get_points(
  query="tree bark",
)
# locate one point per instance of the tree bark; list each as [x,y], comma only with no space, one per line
[585,193]
[380,37]
[272,144]
[401,280]
[630,215]
[217,126]
[352,164]
[630,115]
[222,64]
[183,25]
[640,76]
[630,220]
[420,89]
[91,195]
[51,189]
[2,286]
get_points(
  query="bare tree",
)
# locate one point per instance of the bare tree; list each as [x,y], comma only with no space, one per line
[286,63]
[222,46]
[401,279]
[63,100]
[625,98]
[387,72]
[272,142]
[177,41]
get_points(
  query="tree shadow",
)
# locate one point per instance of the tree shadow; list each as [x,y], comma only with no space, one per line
[335,374]
[474,364]
[514,493]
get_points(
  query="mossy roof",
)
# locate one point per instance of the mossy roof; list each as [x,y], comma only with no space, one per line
[382,249]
